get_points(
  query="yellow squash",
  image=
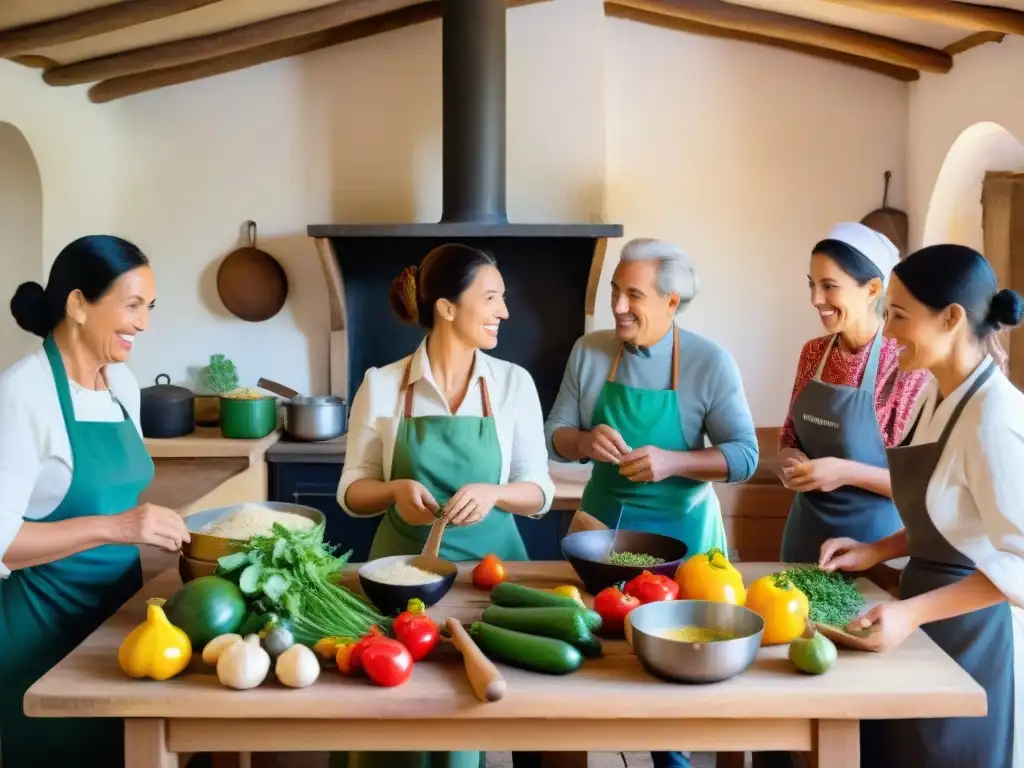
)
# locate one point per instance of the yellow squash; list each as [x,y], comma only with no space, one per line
[156,648]
[783,607]
[710,576]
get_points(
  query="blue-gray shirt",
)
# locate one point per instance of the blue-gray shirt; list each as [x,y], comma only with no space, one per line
[711,398]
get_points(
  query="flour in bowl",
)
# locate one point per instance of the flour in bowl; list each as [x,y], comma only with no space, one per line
[255,519]
[403,575]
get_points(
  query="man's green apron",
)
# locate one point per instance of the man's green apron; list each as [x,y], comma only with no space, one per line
[47,610]
[444,453]
[676,506]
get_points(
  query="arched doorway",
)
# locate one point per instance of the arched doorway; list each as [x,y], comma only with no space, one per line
[21,235]
[955,212]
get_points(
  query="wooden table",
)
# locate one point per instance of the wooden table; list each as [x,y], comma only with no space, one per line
[609,705]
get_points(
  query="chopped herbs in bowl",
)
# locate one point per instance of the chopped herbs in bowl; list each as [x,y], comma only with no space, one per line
[635,559]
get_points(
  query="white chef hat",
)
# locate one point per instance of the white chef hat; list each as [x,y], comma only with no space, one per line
[866,242]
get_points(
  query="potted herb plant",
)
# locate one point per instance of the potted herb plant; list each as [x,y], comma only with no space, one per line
[218,378]
[243,414]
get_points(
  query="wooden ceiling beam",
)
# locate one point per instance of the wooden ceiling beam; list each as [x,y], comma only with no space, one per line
[682,25]
[129,85]
[796,29]
[981,18]
[245,38]
[973,41]
[96,21]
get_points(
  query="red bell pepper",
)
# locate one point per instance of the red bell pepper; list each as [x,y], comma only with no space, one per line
[652,587]
[386,662]
[613,605]
[414,629]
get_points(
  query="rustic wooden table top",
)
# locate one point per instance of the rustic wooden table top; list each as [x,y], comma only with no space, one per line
[915,680]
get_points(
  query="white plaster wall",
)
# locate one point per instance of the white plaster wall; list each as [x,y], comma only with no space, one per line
[745,156]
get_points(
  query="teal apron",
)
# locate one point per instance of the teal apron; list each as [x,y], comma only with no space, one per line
[47,610]
[444,453]
[679,507]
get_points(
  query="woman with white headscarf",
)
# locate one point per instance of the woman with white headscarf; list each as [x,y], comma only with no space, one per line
[850,401]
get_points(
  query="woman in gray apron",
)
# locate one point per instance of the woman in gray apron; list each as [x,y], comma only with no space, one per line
[849,403]
[72,465]
[956,479]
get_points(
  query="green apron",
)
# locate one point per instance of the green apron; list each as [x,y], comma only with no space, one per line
[679,507]
[444,453]
[47,610]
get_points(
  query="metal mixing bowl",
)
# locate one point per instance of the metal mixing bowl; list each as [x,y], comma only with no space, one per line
[211,548]
[684,662]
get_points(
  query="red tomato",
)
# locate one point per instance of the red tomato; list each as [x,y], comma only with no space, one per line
[416,631]
[489,573]
[387,662]
[652,587]
[613,605]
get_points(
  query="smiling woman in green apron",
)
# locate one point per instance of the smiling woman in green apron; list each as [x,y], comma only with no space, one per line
[957,482]
[446,431]
[72,465]
[850,401]
[638,402]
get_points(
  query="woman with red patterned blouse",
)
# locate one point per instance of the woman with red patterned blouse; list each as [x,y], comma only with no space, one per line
[850,401]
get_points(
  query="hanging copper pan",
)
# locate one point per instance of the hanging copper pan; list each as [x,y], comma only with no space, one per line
[891,222]
[251,282]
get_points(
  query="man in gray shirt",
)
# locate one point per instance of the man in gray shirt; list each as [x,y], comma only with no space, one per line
[640,400]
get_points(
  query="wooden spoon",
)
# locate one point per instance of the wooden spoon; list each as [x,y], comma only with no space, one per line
[428,560]
[485,679]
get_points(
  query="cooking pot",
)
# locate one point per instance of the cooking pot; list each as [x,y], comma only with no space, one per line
[313,418]
[166,410]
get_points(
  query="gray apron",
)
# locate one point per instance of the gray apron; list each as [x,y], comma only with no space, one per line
[981,642]
[838,421]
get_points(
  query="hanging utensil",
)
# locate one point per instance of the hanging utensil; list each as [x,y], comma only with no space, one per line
[485,679]
[890,222]
[251,283]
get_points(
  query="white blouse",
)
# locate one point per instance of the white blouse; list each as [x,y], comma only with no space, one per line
[976,495]
[378,405]
[35,454]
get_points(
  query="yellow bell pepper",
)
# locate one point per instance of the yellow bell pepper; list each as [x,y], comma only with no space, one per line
[710,576]
[156,648]
[783,607]
[570,591]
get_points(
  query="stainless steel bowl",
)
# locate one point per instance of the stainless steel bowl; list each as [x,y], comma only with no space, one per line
[684,662]
[211,548]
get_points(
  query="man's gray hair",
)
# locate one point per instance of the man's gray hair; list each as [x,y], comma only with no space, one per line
[676,273]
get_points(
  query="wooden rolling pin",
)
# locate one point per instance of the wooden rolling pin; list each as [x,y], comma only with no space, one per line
[485,679]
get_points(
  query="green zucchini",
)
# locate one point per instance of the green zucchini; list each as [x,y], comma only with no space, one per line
[568,624]
[532,652]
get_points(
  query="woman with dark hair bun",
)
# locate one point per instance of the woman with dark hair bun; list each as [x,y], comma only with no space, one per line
[850,400]
[448,431]
[958,483]
[72,466]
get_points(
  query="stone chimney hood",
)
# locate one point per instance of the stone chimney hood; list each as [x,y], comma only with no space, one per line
[473,139]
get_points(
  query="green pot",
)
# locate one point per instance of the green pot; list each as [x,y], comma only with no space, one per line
[242,419]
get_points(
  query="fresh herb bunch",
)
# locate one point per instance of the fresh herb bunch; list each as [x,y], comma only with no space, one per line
[637,559]
[834,598]
[290,575]
[221,375]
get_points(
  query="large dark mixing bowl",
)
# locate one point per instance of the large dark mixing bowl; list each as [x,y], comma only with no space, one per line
[392,599]
[586,551]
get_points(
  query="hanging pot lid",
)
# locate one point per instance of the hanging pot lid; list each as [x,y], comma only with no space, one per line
[165,394]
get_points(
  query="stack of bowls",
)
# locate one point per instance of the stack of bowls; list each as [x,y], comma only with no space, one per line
[200,555]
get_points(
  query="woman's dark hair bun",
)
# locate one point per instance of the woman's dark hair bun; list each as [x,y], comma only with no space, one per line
[1006,309]
[28,306]
[403,296]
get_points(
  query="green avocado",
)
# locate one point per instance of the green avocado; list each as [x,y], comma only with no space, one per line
[814,655]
